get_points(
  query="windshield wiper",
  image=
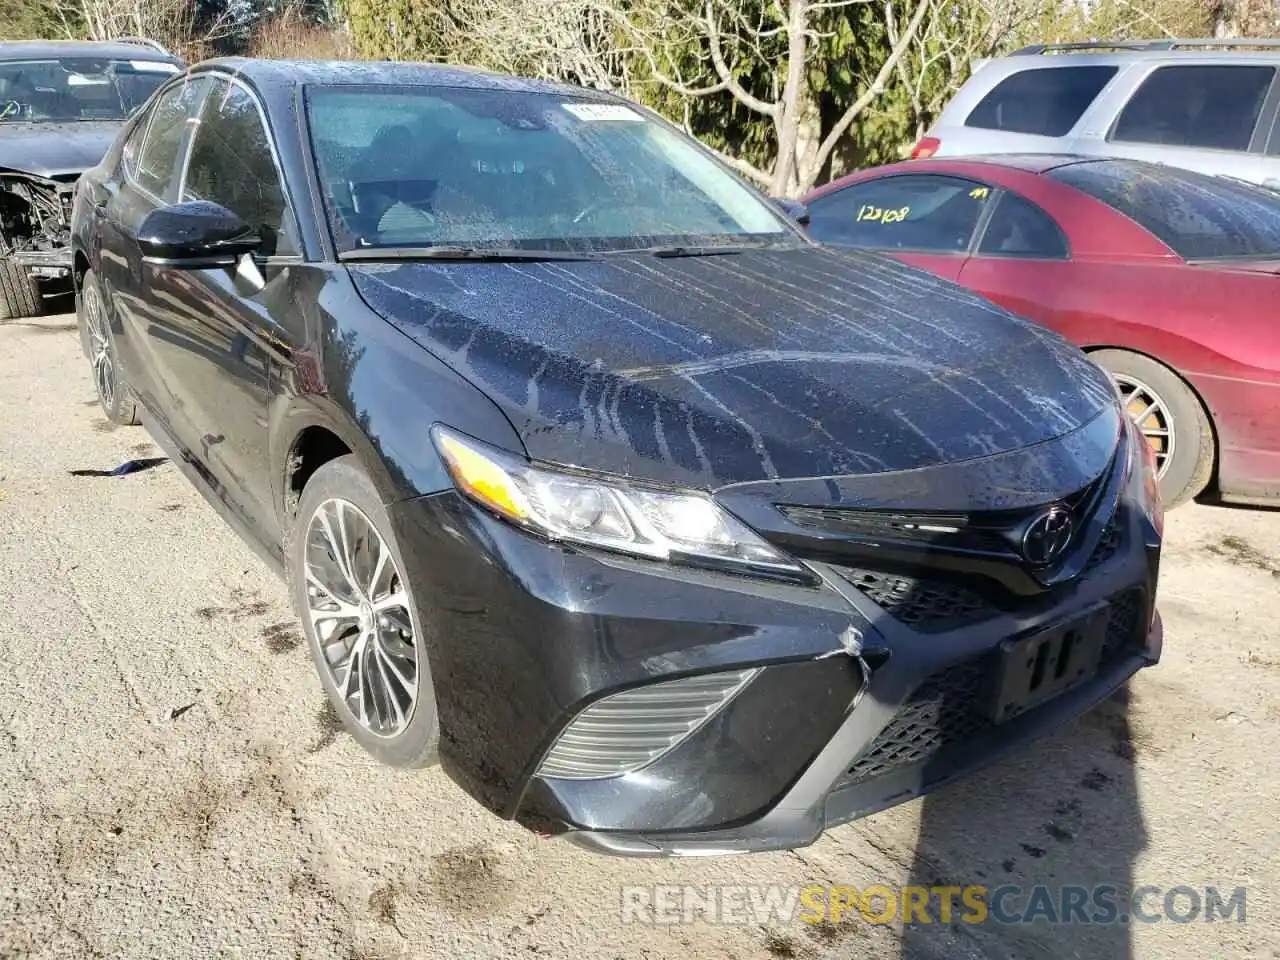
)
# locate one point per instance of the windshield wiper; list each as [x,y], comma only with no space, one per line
[707,251]
[479,254]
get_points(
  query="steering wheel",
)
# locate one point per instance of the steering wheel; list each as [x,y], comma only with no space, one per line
[11,108]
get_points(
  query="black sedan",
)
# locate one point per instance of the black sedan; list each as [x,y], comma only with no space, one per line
[594,480]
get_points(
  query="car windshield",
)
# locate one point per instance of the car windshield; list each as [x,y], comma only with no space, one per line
[1197,216]
[75,88]
[475,168]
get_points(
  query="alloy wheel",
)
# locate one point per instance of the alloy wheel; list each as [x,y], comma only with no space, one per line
[104,370]
[359,611]
[1150,413]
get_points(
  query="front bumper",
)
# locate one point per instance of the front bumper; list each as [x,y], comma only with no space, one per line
[825,796]
[522,635]
[45,264]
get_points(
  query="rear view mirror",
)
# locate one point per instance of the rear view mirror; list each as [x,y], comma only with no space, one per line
[195,235]
[794,209]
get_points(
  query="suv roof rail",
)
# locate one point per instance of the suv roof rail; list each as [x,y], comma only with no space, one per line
[1171,43]
[143,42]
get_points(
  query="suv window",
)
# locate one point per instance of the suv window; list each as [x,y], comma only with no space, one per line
[231,164]
[1196,106]
[1199,217]
[154,166]
[912,212]
[1046,100]
[1018,228]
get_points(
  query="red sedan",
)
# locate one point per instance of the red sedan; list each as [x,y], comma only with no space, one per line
[1169,279]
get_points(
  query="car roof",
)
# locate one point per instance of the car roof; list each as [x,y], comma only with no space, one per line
[1197,50]
[109,49]
[274,75]
[1026,162]
[1033,164]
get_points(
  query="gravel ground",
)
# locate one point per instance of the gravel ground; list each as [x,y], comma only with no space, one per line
[171,786]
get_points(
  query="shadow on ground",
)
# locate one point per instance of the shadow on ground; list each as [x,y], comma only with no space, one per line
[1052,834]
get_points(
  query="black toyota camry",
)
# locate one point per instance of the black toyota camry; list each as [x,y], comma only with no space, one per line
[594,480]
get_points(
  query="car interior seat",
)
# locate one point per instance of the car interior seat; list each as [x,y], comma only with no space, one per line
[388,182]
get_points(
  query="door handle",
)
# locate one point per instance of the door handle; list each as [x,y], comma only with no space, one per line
[1271,183]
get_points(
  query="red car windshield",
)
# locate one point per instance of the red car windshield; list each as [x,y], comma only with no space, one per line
[1197,216]
[69,89]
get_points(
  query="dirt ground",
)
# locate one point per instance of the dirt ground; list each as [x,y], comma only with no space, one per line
[170,785]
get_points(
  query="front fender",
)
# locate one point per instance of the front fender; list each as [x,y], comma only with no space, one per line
[379,393]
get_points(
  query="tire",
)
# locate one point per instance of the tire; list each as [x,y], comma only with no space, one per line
[1187,454]
[342,485]
[19,295]
[96,329]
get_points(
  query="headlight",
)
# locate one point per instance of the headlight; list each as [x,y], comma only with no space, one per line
[1152,503]
[613,515]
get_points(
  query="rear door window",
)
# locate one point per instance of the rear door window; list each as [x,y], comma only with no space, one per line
[1199,217]
[1018,228]
[1046,101]
[1207,106]
[924,212]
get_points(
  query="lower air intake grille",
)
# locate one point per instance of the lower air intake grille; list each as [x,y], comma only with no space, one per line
[947,709]
[928,606]
[629,730]
[943,710]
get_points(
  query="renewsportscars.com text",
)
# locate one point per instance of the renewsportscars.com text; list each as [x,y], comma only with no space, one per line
[974,904]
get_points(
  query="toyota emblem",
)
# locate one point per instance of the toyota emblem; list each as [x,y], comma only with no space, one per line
[1048,536]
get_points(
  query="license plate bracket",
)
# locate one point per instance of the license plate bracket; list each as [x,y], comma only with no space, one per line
[1038,667]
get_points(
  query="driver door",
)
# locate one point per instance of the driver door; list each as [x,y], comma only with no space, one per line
[228,331]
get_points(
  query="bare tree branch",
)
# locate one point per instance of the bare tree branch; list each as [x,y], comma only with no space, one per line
[723,71]
[876,88]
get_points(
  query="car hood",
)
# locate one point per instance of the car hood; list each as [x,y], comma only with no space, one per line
[763,365]
[55,150]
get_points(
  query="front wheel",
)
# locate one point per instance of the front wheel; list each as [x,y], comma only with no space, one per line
[365,635]
[1171,417]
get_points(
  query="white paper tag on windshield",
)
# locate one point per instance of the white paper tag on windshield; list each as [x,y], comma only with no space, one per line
[153,66]
[602,111]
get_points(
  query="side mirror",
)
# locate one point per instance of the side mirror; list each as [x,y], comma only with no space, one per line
[794,209]
[195,235]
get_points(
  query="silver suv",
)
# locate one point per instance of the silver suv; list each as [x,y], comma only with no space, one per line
[1206,105]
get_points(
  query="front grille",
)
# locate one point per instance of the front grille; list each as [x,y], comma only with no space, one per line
[939,530]
[1112,538]
[947,709]
[929,606]
[992,532]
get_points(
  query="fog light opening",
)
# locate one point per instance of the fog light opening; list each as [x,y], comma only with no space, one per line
[627,731]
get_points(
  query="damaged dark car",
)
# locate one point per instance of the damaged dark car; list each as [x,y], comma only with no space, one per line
[595,481]
[62,103]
